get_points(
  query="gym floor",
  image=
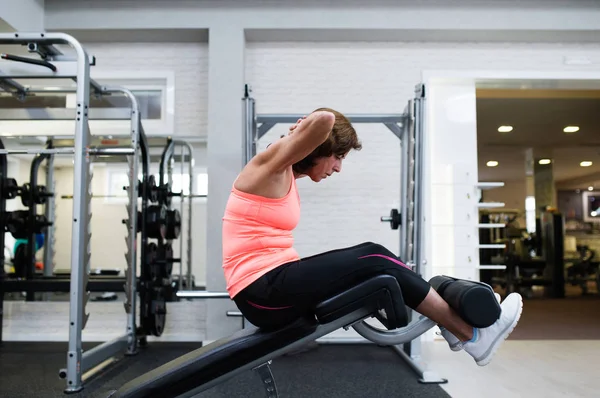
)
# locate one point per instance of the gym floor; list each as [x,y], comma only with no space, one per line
[548,355]
[327,371]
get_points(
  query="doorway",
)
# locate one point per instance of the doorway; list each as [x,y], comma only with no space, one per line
[541,139]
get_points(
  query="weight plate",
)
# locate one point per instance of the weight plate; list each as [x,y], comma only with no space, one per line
[151,257]
[173,224]
[155,221]
[166,261]
[158,313]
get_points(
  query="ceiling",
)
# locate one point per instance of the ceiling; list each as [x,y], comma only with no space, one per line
[538,118]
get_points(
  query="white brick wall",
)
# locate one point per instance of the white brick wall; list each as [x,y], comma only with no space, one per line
[369,78]
[189,62]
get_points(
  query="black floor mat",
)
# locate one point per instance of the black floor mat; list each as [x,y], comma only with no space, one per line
[30,370]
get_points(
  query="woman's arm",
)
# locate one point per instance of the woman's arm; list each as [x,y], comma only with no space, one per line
[302,140]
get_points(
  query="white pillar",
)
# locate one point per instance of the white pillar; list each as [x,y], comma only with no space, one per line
[224,155]
[451,203]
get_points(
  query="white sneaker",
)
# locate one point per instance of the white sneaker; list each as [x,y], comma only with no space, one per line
[454,343]
[489,339]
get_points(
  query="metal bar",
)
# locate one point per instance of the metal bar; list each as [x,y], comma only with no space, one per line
[250,127]
[14,88]
[112,151]
[394,128]
[491,246]
[354,118]
[413,347]
[102,352]
[64,114]
[49,213]
[342,340]
[484,185]
[20,70]
[126,196]
[490,225]
[62,285]
[406,175]
[200,294]
[490,205]
[181,212]
[97,88]
[491,267]
[81,232]
[68,151]
[55,151]
[190,196]
[133,192]
[44,50]
[426,376]
[46,38]
[3,176]
[234,313]
[264,129]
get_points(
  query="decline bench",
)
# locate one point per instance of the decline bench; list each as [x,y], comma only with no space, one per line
[253,348]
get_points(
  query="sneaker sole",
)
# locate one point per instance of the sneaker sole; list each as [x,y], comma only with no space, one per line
[505,333]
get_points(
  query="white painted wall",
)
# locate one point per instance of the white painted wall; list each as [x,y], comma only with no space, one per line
[378,78]
[23,15]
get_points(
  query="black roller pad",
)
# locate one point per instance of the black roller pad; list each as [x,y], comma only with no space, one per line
[474,301]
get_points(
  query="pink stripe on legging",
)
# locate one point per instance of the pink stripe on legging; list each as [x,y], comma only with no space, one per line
[387,258]
[267,308]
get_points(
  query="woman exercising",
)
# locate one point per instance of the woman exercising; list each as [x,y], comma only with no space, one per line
[269,282]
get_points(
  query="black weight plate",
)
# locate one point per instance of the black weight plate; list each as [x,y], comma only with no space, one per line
[173,224]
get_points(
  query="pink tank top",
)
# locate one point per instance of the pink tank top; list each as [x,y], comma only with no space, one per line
[257,235]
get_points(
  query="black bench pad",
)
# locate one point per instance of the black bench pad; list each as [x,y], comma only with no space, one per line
[212,361]
[223,357]
[381,292]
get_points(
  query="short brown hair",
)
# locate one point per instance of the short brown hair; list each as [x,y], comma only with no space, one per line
[341,140]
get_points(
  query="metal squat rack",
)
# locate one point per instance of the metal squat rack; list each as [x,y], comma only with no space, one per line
[166,161]
[53,64]
[408,127]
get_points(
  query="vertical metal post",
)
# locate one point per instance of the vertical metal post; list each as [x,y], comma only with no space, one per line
[182,199]
[49,212]
[190,150]
[133,193]
[32,235]
[81,234]
[417,200]
[405,142]
[250,126]
[189,225]
[3,176]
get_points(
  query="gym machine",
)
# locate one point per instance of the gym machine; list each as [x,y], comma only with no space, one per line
[408,127]
[531,259]
[53,64]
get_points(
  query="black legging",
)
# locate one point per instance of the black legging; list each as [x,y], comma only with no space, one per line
[294,289]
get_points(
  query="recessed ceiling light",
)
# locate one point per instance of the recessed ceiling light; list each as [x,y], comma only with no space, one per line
[545,161]
[492,163]
[505,129]
[585,163]
[571,129]
[590,188]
